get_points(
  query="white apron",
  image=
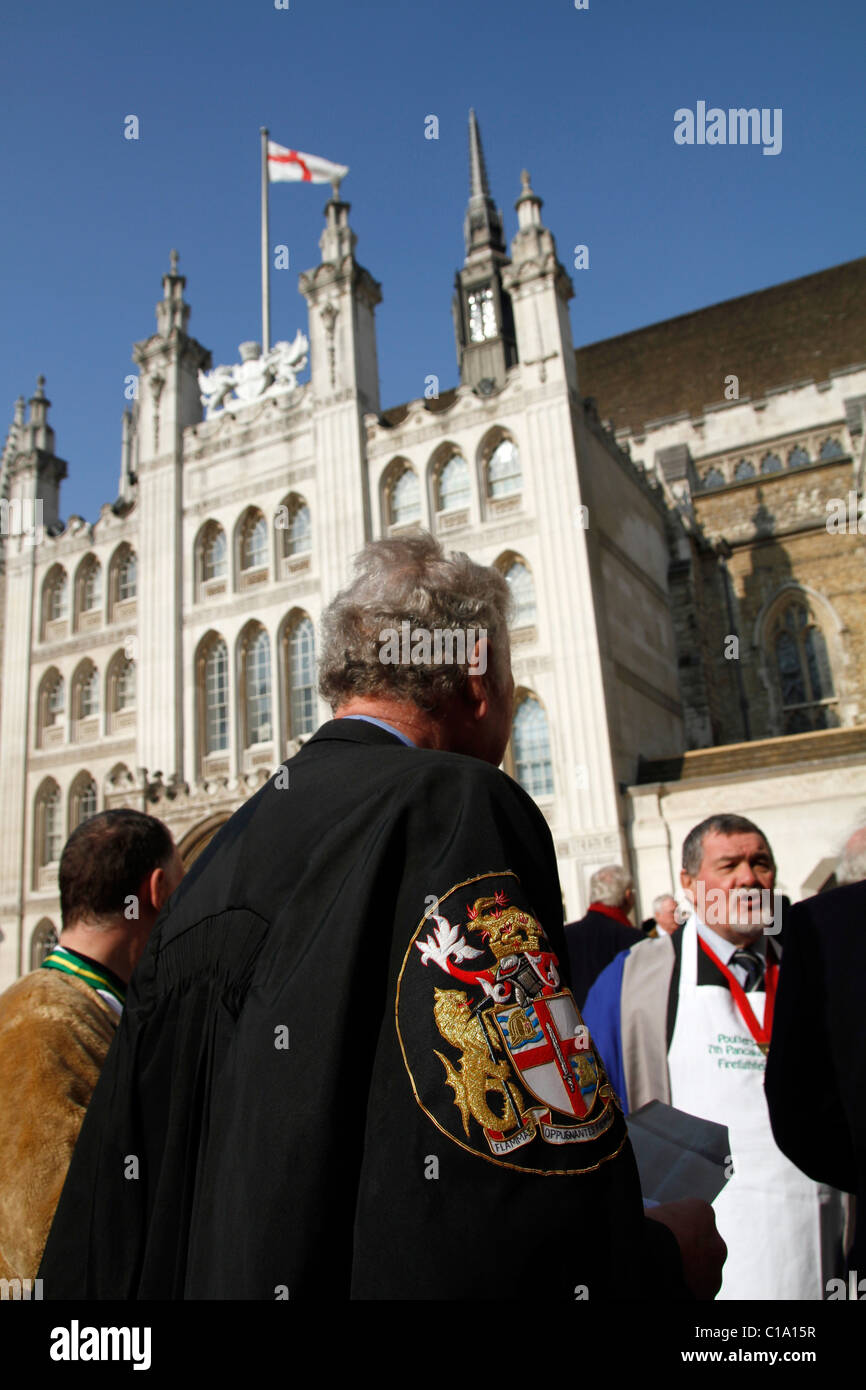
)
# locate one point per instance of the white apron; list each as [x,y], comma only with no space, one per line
[768,1212]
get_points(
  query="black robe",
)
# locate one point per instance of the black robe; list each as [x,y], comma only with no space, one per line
[306,1098]
[816,1069]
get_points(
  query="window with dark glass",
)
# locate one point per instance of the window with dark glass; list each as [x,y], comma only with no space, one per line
[803,671]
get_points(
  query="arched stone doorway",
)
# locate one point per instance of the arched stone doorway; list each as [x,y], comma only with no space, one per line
[199,837]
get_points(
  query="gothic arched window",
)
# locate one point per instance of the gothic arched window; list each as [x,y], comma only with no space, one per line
[89,586]
[798,457]
[771,463]
[405,499]
[88,695]
[257,687]
[452,485]
[122,579]
[803,672]
[50,709]
[744,469]
[55,598]
[301,678]
[125,688]
[714,478]
[127,577]
[530,742]
[214,560]
[82,800]
[120,693]
[504,475]
[85,701]
[216,697]
[49,825]
[56,702]
[831,449]
[297,534]
[254,543]
[522,586]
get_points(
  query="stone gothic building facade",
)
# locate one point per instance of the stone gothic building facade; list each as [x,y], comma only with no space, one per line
[689,631]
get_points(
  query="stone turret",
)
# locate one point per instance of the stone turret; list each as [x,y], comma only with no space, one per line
[169,401]
[483,319]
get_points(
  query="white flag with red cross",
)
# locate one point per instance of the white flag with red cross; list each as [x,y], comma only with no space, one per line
[291,166]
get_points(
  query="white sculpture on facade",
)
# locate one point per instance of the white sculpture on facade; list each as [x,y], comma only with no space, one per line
[255,376]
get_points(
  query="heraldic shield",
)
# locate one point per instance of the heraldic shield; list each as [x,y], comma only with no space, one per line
[501,1062]
[549,1046]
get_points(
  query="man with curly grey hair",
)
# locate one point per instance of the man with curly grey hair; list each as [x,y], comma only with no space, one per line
[351,1063]
[419,641]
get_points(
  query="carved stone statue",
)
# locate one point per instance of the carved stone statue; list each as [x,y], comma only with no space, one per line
[256,375]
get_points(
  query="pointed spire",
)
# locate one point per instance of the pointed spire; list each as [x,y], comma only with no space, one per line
[482,226]
[478,185]
[172,312]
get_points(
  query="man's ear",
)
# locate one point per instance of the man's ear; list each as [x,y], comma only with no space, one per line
[158,886]
[479,679]
[477,693]
[688,885]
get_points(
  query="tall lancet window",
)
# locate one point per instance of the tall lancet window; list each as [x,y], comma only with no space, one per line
[405,499]
[803,671]
[125,688]
[88,695]
[58,599]
[214,559]
[82,800]
[127,580]
[522,589]
[300,531]
[55,705]
[49,826]
[258,688]
[254,547]
[302,679]
[453,485]
[530,741]
[503,471]
[91,587]
[216,685]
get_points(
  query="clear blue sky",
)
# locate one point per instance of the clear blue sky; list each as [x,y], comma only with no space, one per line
[584,99]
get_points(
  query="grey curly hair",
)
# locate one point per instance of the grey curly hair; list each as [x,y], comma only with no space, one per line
[410,578]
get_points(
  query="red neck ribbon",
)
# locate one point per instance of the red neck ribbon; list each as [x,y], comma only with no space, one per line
[615,912]
[760,1033]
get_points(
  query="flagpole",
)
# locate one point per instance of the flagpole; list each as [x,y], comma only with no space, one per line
[266,269]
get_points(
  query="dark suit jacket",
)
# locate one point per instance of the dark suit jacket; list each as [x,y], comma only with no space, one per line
[593,942]
[816,1069]
[310,1077]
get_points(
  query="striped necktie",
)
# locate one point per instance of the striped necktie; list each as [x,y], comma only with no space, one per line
[753,964]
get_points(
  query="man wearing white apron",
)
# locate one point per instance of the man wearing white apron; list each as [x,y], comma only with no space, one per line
[686,1020]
